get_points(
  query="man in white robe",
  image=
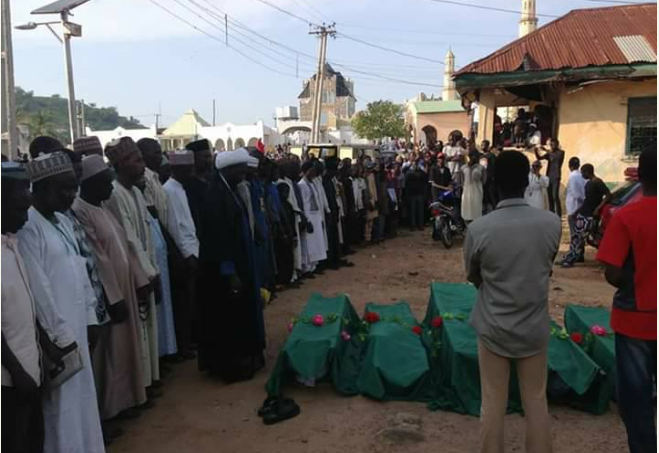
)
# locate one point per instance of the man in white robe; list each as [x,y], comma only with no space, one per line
[128,206]
[537,188]
[472,189]
[316,245]
[181,227]
[60,283]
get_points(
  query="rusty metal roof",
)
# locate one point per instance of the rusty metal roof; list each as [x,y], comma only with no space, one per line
[616,35]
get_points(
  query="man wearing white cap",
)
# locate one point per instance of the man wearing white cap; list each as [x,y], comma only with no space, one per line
[181,227]
[128,206]
[122,381]
[59,279]
[232,332]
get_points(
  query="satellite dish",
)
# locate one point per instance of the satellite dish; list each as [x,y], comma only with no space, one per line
[59,6]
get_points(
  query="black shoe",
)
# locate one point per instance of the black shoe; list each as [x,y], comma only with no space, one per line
[581,259]
[153,393]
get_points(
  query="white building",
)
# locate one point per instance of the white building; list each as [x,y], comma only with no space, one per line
[107,136]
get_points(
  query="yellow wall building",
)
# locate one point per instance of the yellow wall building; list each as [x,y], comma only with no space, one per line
[592,87]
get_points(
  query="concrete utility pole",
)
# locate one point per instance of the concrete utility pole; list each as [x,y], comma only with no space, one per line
[9,127]
[68,65]
[323,31]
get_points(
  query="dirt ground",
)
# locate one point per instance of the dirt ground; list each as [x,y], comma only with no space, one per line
[199,414]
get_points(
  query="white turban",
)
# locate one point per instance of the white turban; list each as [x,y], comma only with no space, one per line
[226,159]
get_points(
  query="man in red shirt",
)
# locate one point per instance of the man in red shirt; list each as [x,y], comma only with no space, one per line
[628,250]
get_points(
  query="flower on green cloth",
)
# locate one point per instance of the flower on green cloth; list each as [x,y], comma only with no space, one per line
[576,337]
[417,330]
[345,336]
[318,321]
[290,327]
[437,322]
[598,330]
[371,317]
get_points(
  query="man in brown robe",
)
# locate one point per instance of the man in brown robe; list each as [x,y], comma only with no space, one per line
[121,276]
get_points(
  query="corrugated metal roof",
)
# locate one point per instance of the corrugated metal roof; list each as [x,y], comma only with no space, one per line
[635,48]
[583,37]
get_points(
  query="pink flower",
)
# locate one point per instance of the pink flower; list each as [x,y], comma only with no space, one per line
[290,327]
[345,336]
[598,330]
[318,321]
[417,330]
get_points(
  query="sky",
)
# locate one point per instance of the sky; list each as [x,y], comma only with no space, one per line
[135,56]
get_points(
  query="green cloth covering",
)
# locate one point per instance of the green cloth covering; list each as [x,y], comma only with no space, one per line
[600,348]
[456,364]
[395,363]
[459,390]
[584,378]
[312,352]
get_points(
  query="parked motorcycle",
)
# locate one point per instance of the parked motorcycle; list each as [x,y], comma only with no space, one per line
[446,225]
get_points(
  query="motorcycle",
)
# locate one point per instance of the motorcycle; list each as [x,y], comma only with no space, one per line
[445,224]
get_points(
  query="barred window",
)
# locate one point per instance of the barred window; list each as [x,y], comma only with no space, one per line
[641,124]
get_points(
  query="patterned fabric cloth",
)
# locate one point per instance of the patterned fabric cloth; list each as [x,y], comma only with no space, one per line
[92,268]
[578,239]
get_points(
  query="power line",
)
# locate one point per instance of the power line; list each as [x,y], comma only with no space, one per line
[215,38]
[288,13]
[386,49]
[488,8]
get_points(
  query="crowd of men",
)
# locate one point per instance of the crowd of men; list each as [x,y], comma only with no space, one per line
[120,262]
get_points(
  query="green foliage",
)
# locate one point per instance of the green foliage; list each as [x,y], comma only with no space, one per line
[50,115]
[380,119]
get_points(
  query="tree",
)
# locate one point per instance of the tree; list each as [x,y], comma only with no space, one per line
[41,123]
[380,119]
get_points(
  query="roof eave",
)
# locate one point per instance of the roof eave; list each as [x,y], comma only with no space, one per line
[468,81]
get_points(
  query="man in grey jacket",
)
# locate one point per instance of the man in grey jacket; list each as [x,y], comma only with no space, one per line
[508,256]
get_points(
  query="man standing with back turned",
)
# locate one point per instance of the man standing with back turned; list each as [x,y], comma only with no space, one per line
[511,317]
[628,250]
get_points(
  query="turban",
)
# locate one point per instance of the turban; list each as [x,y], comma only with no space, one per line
[92,165]
[228,158]
[48,165]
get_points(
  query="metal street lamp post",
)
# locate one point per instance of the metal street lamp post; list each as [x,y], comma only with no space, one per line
[69,29]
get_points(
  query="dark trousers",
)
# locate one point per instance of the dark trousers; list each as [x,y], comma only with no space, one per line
[22,422]
[553,196]
[636,365]
[333,244]
[183,298]
[416,211]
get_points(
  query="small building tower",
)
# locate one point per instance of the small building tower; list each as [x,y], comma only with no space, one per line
[529,21]
[448,91]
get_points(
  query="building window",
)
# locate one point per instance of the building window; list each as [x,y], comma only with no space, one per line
[641,125]
[329,97]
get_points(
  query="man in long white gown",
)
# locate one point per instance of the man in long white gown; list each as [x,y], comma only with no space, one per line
[313,209]
[537,188]
[128,206]
[59,281]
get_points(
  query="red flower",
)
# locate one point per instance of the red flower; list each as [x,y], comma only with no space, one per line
[417,330]
[437,322]
[371,317]
[576,337]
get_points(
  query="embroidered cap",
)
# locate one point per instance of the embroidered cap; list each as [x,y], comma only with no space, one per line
[48,165]
[88,145]
[118,150]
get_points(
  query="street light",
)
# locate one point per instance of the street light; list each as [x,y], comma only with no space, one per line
[69,29]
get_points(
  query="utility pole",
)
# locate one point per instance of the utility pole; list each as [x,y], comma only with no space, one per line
[68,63]
[9,127]
[213,112]
[82,131]
[323,31]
